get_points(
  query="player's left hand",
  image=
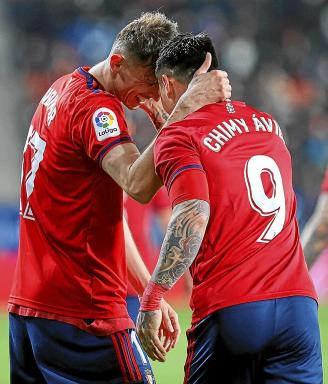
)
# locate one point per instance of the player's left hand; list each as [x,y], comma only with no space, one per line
[159,331]
[148,330]
[207,87]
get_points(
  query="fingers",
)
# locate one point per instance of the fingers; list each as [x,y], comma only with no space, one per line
[205,66]
[218,84]
[170,325]
[167,319]
[176,328]
[152,345]
[222,74]
[148,330]
[167,342]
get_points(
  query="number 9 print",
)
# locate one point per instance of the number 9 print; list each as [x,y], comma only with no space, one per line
[266,206]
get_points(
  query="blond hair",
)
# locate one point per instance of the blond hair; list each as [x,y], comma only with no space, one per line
[143,38]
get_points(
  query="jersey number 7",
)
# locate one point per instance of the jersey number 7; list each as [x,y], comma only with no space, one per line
[38,147]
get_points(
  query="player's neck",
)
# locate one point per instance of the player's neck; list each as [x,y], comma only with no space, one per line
[99,72]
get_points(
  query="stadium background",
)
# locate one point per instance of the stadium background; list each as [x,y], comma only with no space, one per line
[274,50]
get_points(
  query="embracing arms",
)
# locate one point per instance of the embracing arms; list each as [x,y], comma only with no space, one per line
[134,172]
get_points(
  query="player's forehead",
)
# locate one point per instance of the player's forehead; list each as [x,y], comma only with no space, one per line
[143,70]
[146,73]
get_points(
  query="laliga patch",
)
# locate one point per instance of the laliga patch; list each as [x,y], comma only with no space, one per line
[105,124]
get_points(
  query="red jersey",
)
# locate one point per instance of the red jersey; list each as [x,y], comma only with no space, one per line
[71,259]
[251,250]
[324,185]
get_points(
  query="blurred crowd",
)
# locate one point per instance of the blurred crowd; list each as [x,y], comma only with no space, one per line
[275,52]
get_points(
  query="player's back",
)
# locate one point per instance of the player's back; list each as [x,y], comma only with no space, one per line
[251,249]
[71,254]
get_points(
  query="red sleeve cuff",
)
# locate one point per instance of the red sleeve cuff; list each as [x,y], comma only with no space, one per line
[110,146]
[189,186]
[180,170]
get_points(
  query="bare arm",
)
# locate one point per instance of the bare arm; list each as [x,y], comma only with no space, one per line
[183,238]
[135,173]
[315,234]
[139,276]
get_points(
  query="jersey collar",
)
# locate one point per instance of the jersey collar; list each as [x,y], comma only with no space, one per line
[91,81]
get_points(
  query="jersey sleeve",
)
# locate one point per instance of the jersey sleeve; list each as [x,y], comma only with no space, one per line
[175,155]
[102,127]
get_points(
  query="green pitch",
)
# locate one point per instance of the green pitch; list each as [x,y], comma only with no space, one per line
[171,372]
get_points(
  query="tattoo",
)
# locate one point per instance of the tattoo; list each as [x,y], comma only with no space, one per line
[183,238]
[160,119]
[318,240]
[144,318]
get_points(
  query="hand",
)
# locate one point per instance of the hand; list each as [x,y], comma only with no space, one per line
[154,109]
[148,326]
[158,331]
[170,329]
[207,87]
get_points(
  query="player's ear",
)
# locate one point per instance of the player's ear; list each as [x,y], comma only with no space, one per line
[167,85]
[115,61]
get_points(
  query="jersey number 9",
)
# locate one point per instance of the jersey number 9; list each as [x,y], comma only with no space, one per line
[275,205]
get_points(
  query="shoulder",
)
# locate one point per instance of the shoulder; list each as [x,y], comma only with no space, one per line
[174,133]
[102,108]
[102,99]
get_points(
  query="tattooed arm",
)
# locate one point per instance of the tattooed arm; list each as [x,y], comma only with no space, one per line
[315,233]
[183,239]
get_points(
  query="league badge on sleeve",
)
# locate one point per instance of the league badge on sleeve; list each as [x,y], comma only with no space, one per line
[105,124]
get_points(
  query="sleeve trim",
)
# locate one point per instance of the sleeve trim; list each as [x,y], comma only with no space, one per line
[107,148]
[182,169]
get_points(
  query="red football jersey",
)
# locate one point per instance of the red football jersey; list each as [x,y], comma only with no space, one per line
[71,258]
[324,186]
[251,249]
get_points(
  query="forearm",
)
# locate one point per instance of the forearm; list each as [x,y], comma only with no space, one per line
[181,244]
[142,179]
[183,239]
[138,274]
[183,108]
[315,233]
[160,118]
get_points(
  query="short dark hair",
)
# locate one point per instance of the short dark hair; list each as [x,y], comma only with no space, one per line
[144,37]
[184,54]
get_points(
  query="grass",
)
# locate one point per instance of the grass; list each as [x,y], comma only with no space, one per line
[171,372]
